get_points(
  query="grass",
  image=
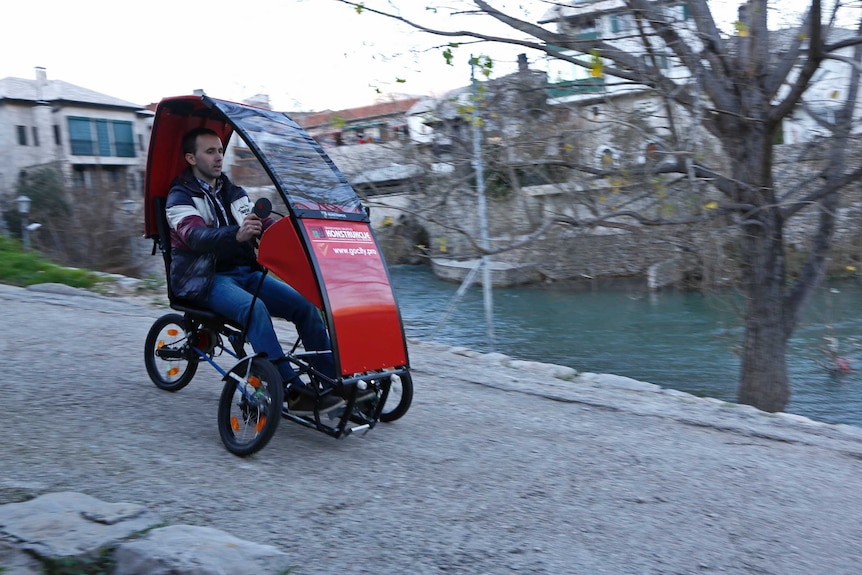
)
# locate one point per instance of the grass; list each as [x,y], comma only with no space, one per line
[21,268]
[102,565]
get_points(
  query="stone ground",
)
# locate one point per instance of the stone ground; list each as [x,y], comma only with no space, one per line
[499,467]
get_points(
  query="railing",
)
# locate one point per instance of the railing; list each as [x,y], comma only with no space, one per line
[576,87]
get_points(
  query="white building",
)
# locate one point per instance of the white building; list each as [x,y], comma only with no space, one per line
[46,121]
[613,22]
[610,21]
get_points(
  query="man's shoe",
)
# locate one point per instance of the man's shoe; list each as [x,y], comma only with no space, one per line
[303,405]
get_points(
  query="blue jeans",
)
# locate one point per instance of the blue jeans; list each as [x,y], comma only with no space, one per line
[231,295]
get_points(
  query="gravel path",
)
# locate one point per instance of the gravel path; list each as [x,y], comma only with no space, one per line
[496,469]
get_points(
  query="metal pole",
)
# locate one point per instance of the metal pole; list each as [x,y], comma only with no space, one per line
[487,288]
[468,281]
[25,233]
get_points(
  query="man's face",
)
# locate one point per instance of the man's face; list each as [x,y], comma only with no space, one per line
[206,162]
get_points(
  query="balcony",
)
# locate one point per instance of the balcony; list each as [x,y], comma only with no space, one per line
[576,87]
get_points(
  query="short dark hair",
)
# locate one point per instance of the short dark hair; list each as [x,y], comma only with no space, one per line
[190,140]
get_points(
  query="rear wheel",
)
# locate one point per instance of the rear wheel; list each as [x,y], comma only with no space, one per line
[399,399]
[170,361]
[250,406]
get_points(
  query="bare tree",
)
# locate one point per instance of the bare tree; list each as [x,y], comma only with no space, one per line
[738,89]
[82,226]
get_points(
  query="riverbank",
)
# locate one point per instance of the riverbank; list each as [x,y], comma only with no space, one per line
[681,340]
[500,465]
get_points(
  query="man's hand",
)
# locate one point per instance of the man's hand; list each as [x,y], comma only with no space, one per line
[251,227]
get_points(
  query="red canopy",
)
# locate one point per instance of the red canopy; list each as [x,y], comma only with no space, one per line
[174,117]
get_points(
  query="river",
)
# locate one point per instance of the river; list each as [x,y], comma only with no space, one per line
[679,340]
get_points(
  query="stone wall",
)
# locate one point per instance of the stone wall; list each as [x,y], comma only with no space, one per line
[704,254]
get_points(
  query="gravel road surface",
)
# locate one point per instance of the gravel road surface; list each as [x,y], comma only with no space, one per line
[497,468]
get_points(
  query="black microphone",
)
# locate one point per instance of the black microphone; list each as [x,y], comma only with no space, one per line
[262,208]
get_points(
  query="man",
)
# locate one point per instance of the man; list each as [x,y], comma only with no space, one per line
[214,265]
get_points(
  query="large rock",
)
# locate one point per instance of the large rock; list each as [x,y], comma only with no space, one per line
[66,526]
[189,550]
[76,529]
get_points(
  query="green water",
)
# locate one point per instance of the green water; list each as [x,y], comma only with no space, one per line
[683,341]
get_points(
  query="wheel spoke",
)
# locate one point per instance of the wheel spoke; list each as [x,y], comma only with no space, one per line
[246,420]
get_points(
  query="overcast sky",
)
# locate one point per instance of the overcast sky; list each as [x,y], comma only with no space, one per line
[304,54]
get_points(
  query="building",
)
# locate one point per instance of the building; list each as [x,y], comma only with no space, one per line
[508,105]
[83,132]
[377,123]
[599,96]
[611,21]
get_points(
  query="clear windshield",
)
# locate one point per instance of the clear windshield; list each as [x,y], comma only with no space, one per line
[310,183]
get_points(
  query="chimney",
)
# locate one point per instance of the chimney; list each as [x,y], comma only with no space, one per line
[522,63]
[41,84]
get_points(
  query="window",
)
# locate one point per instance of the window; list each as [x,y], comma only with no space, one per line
[98,137]
[622,23]
[102,138]
[661,60]
[81,137]
[58,138]
[589,31]
[22,135]
[35,136]
[606,158]
[400,132]
[653,152]
[677,12]
[80,178]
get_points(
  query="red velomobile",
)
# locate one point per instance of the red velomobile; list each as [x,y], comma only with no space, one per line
[321,244]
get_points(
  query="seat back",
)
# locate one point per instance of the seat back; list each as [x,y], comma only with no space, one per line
[163,244]
[162,240]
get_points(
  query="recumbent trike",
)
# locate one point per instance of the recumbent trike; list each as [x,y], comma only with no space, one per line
[322,245]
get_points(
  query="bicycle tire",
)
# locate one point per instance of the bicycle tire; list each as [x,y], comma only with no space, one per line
[170,334]
[250,406]
[399,399]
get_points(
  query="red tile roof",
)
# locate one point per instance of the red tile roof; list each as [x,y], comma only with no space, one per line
[318,119]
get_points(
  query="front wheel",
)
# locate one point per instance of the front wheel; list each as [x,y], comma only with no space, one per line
[168,356]
[399,399]
[250,406]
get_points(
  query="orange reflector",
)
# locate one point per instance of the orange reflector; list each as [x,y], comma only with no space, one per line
[161,344]
[173,332]
[254,381]
[234,423]
[173,371]
[260,423]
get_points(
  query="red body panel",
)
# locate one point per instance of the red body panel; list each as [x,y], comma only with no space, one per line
[366,322]
[282,253]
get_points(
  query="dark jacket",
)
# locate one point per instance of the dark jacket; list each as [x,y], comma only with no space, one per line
[203,234]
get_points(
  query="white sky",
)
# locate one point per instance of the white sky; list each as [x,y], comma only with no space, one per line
[305,54]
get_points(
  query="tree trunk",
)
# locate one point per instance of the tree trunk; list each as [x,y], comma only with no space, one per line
[764,381]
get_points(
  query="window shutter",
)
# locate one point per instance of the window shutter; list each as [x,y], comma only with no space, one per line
[124,139]
[103,138]
[80,136]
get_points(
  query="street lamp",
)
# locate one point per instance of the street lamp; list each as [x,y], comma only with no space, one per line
[24,209]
